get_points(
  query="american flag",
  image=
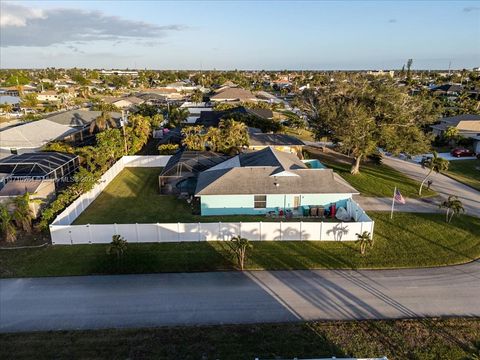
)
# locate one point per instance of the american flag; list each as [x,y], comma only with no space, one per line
[398,197]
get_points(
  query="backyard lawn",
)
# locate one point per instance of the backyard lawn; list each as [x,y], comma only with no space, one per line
[426,339]
[373,180]
[132,197]
[465,171]
[409,240]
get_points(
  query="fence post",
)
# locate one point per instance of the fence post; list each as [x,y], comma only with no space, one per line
[240,229]
[361,227]
[260,229]
[281,231]
[220,231]
[115,227]
[178,231]
[301,223]
[158,232]
[321,228]
[136,232]
[199,231]
[89,233]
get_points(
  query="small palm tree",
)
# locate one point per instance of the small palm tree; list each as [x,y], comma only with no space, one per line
[23,215]
[436,164]
[6,225]
[454,207]
[117,247]
[102,122]
[239,247]
[364,239]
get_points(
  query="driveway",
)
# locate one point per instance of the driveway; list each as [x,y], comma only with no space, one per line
[442,184]
[92,302]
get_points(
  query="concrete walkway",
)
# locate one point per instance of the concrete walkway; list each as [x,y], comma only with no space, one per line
[92,302]
[385,204]
[442,184]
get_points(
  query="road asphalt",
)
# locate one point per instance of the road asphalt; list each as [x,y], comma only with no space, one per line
[442,184]
[127,301]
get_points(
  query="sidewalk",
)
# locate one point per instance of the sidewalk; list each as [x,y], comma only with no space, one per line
[429,205]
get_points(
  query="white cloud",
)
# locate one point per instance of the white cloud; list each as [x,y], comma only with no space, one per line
[17,15]
[23,26]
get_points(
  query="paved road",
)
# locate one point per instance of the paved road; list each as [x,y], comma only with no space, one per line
[442,184]
[93,302]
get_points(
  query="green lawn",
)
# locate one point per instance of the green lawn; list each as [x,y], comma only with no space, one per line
[302,134]
[465,171]
[426,339]
[409,240]
[373,180]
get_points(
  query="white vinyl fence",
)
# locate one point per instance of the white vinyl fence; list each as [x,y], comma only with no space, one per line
[63,233]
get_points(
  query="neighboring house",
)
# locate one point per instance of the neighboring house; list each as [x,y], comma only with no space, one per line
[10,91]
[32,136]
[268,180]
[126,102]
[38,166]
[165,93]
[119,72]
[195,110]
[234,94]
[212,118]
[69,126]
[41,190]
[468,126]
[448,89]
[51,96]
[282,142]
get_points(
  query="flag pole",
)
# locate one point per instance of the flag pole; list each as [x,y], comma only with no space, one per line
[393,202]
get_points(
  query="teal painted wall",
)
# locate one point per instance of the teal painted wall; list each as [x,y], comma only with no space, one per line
[243,204]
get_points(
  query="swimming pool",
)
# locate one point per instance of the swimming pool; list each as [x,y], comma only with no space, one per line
[314,164]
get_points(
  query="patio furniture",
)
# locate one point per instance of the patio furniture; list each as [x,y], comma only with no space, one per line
[321,212]
[313,211]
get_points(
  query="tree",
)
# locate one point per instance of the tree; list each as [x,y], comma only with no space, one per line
[454,207]
[451,134]
[22,215]
[167,149]
[117,247]
[176,116]
[409,67]
[197,96]
[194,137]
[239,247]
[434,163]
[364,239]
[6,225]
[7,108]
[102,122]
[29,100]
[362,115]
[230,137]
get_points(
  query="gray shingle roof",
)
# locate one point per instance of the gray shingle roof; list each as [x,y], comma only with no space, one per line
[258,172]
[79,118]
[259,139]
[259,180]
[234,94]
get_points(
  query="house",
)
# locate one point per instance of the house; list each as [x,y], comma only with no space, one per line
[32,136]
[212,118]
[281,142]
[468,126]
[195,110]
[42,191]
[234,94]
[268,180]
[448,89]
[125,102]
[51,95]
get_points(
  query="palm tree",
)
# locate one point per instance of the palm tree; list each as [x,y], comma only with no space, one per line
[7,108]
[454,207]
[102,122]
[176,116]
[6,225]
[239,247]
[117,247]
[365,239]
[436,164]
[22,214]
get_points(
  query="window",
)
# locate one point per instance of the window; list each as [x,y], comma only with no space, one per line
[260,201]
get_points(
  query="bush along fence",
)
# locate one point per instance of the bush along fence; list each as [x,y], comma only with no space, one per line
[63,233]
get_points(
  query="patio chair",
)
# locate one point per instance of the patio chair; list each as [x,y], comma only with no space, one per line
[321,212]
[313,211]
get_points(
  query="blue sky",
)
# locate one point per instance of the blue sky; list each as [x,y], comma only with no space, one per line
[240,34]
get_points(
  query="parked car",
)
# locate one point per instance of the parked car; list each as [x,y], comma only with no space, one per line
[459,152]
